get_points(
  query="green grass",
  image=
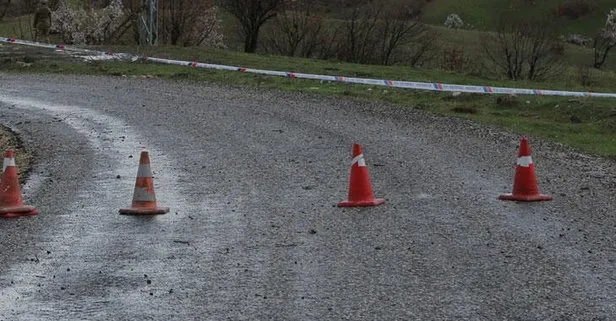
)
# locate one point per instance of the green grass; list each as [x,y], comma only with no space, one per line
[483,14]
[20,27]
[605,80]
[588,124]
[470,41]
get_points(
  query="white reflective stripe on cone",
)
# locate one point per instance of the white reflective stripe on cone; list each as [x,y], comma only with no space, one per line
[144,171]
[8,162]
[525,161]
[142,194]
[359,159]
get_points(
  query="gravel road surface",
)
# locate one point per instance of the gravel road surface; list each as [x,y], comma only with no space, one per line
[252,179]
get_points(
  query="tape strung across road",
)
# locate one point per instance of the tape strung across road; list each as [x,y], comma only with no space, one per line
[366,81]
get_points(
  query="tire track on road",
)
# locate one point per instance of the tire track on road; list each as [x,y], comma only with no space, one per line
[85,241]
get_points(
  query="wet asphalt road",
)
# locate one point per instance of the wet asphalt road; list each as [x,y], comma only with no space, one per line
[252,178]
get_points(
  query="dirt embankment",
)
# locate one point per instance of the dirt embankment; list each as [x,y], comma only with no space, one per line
[9,140]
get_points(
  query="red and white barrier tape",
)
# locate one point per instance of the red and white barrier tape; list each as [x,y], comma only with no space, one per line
[295,75]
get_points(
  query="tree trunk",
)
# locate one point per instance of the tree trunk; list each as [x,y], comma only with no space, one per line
[600,57]
[250,43]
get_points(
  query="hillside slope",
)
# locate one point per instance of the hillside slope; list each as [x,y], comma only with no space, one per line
[483,14]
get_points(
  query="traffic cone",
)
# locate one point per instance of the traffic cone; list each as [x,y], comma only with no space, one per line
[11,204]
[360,188]
[525,187]
[8,159]
[144,198]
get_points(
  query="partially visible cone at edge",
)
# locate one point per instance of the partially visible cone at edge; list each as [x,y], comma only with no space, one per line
[525,187]
[9,159]
[144,197]
[11,203]
[360,187]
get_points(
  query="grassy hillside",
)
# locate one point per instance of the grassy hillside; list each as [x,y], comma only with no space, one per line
[483,14]
[20,27]
[470,41]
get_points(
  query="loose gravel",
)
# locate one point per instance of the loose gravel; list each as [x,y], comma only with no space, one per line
[257,234]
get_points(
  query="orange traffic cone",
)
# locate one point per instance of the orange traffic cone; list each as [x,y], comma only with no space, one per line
[8,159]
[360,188]
[144,198]
[525,182]
[11,204]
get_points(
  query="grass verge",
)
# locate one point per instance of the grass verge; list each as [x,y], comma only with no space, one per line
[584,123]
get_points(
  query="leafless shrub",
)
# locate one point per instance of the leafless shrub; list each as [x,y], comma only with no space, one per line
[296,30]
[329,41]
[523,48]
[358,29]
[190,23]
[374,32]
[382,33]
[397,30]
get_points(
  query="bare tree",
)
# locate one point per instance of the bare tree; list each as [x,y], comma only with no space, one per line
[364,31]
[328,42]
[177,15]
[506,49]
[522,48]
[399,27]
[605,40]
[252,14]
[380,32]
[296,29]
[360,25]
[545,52]
[135,7]
[189,22]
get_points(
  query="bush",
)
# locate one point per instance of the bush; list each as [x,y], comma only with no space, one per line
[508,100]
[454,21]
[80,26]
[295,31]
[368,32]
[465,109]
[524,48]
[190,23]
